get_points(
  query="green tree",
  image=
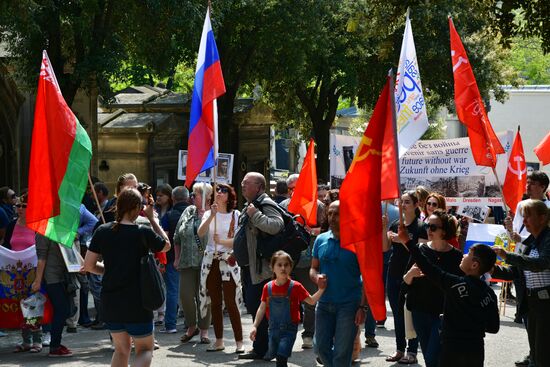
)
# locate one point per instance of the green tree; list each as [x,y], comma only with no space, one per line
[88,40]
[527,58]
[524,18]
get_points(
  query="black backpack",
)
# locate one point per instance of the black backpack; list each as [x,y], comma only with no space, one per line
[293,239]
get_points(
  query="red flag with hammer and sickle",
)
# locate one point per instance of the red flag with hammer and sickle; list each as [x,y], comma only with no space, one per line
[516,175]
[371,177]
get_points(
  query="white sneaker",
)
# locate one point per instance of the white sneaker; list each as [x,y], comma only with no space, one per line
[46,339]
[307,342]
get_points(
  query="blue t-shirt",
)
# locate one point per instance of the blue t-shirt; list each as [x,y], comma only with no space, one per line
[341,267]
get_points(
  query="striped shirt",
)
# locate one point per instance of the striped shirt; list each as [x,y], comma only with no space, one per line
[539,279]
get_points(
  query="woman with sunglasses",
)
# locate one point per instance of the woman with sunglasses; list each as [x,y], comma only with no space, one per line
[220,273]
[18,236]
[436,201]
[433,201]
[424,298]
[397,267]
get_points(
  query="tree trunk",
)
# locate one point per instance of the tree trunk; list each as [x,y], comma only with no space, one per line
[228,132]
[321,132]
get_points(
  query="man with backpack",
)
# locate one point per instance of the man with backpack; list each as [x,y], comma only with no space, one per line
[255,271]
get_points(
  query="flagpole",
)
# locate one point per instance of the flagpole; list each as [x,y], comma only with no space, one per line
[394,121]
[500,186]
[95,198]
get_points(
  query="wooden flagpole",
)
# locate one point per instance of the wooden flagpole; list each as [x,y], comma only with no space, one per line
[95,198]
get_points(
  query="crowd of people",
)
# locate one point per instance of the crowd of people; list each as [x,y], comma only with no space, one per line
[439,298]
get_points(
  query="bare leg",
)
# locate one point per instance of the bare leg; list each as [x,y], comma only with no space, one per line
[123,346]
[144,351]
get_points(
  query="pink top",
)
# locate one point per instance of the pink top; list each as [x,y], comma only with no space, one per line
[22,238]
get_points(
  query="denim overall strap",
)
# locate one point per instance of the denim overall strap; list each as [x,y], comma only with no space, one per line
[282,331]
[279,307]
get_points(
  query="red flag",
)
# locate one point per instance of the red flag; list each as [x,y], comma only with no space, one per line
[304,198]
[470,108]
[543,150]
[516,175]
[360,210]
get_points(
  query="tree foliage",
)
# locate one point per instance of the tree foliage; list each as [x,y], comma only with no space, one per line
[527,58]
[88,41]
[523,18]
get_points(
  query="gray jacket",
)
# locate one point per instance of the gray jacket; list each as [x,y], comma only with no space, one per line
[55,269]
[269,221]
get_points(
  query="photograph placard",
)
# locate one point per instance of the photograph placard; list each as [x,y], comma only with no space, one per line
[224,172]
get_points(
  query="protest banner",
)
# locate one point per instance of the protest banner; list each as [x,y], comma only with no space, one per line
[17,272]
[445,166]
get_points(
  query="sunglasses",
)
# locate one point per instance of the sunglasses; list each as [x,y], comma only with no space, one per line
[433,227]
[431,204]
[20,205]
[222,190]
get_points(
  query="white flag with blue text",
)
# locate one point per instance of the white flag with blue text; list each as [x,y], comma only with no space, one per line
[410,107]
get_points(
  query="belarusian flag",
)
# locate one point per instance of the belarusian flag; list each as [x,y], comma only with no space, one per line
[60,157]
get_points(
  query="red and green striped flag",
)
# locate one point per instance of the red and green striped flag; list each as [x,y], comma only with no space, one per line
[60,158]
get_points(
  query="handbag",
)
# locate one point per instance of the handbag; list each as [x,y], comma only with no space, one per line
[153,289]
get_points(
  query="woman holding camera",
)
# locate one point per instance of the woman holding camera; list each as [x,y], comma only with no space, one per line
[122,244]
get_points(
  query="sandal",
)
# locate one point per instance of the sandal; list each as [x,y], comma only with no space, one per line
[408,359]
[36,348]
[19,348]
[204,340]
[215,348]
[186,338]
[397,356]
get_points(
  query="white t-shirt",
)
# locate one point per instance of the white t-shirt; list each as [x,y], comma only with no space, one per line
[223,221]
[517,224]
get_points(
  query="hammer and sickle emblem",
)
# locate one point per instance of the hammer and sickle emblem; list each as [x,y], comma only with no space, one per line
[363,153]
[518,172]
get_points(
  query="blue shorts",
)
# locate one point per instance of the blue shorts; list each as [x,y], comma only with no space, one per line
[136,330]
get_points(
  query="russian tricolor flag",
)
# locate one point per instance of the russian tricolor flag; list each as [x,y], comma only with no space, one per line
[202,145]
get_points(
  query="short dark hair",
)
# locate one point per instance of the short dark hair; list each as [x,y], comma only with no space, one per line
[100,186]
[323,187]
[281,188]
[485,256]
[540,177]
[448,223]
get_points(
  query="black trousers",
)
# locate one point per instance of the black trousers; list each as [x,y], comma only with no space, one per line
[538,330]
[252,300]
[462,353]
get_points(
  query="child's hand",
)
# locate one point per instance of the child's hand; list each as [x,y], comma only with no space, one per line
[253,334]
[322,281]
[216,238]
[416,272]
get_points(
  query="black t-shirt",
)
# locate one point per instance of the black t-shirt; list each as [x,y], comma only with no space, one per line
[400,256]
[122,249]
[424,294]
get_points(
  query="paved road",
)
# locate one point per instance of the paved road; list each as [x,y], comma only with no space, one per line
[92,348]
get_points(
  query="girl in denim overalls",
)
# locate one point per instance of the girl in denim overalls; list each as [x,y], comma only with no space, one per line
[281,298]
